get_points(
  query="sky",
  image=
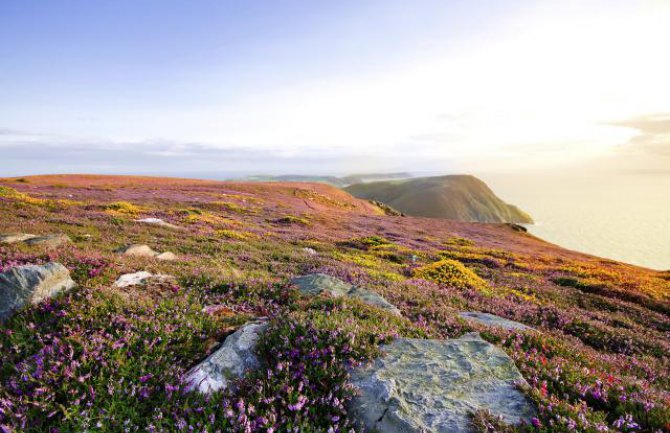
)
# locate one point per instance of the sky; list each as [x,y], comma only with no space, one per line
[333,87]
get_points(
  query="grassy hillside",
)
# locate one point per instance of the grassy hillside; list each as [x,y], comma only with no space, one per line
[105,359]
[455,197]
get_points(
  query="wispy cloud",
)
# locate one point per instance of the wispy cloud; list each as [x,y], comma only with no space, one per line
[653,137]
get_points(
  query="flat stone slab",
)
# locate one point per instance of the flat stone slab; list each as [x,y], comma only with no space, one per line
[492,320]
[316,284]
[158,222]
[48,240]
[13,238]
[434,386]
[166,256]
[231,361]
[141,277]
[30,284]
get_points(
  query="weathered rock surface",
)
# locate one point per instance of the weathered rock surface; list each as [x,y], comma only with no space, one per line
[231,361]
[494,321]
[141,277]
[316,284]
[310,251]
[158,222]
[433,386]
[13,238]
[30,284]
[48,240]
[166,256]
[138,250]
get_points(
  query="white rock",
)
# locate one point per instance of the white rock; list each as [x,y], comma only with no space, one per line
[157,222]
[30,284]
[230,362]
[310,251]
[138,250]
[141,277]
[493,321]
[166,256]
[12,238]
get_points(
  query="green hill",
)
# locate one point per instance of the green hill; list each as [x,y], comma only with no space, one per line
[455,197]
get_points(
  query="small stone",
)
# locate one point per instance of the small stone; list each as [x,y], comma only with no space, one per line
[309,251]
[494,321]
[158,222]
[166,256]
[138,250]
[231,361]
[12,238]
[30,284]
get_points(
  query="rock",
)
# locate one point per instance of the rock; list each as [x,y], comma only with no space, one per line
[433,386]
[166,256]
[30,284]
[158,222]
[48,240]
[316,284]
[309,251]
[141,277]
[231,361]
[494,321]
[517,227]
[138,250]
[12,238]
[372,298]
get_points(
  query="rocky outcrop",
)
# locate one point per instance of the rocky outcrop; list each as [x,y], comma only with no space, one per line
[230,362]
[142,277]
[158,222]
[48,240]
[492,320]
[30,284]
[13,238]
[316,284]
[29,239]
[141,250]
[434,386]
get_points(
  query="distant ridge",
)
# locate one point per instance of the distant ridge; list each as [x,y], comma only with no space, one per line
[454,197]
[340,182]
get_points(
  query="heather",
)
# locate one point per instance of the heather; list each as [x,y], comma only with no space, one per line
[105,359]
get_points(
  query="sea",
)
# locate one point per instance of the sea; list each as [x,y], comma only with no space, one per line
[621,216]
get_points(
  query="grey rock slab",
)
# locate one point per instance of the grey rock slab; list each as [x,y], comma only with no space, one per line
[48,240]
[316,284]
[13,238]
[492,320]
[434,386]
[372,298]
[235,357]
[30,284]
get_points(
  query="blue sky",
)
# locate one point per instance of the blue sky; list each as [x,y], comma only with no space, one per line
[331,87]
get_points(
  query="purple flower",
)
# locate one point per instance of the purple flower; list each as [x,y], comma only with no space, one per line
[145,379]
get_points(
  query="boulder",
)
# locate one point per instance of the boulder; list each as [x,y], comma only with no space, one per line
[316,284]
[231,361]
[12,238]
[494,321]
[158,222]
[434,386]
[30,284]
[372,298]
[48,240]
[141,277]
[138,250]
[166,256]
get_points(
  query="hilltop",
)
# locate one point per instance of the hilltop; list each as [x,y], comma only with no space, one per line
[338,181]
[454,197]
[585,338]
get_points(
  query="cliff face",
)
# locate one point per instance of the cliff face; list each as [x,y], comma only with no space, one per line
[455,197]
